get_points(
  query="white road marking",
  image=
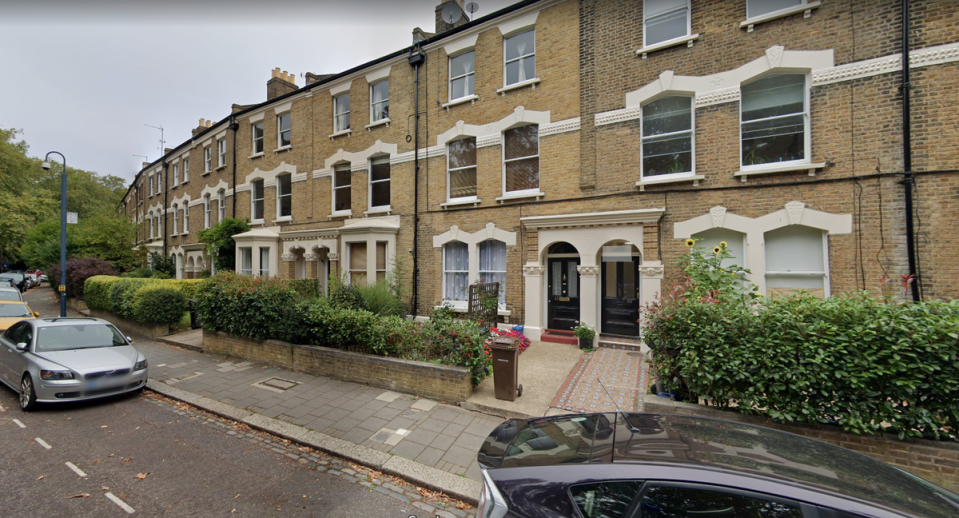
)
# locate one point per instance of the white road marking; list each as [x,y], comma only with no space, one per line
[162,365]
[123,505]
[43,443]
[21,425]
[76,470]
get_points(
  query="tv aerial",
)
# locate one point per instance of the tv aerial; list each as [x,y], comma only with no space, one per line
[471,8]
[451,13]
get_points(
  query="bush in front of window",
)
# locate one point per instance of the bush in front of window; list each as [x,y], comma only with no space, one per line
[159,304]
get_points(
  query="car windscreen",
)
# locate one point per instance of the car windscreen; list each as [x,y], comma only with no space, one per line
[10,295]
[14,310]
[80,336]
[15,277]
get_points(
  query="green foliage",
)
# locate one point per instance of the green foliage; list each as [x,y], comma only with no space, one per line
[865,365]
[256,307]
[162,264]
[582,330]
[159,304]
[345,296]
[381,299]
[122,296]
[78,271]
[97,292]
[219,241]
[141,272]
[304,288]
[707,277]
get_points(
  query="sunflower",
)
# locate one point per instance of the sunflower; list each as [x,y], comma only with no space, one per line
[723,244]
[690,243]
[717,250]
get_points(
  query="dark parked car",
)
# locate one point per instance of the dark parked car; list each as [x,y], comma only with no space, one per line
[664,466]
[19,279]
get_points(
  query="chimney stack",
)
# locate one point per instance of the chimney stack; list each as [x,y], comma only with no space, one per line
[204,124]
[144,165]
[444,25]
[280,83]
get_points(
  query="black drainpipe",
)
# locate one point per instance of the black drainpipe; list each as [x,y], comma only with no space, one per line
[417,58]
[909,179]
[233,126]
[166,195]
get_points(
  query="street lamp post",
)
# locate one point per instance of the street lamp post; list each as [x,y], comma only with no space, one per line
[63,229]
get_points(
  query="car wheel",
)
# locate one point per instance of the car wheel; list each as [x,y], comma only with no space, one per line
[28,396]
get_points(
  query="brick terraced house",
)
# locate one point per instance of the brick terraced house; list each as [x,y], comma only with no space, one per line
[568,149]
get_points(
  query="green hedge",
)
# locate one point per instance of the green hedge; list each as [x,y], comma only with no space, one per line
[97,292]
[305,288]
[159,304]
[263,309]
[122,296]
[866,365]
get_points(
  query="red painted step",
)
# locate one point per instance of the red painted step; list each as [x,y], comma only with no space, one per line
[559,336]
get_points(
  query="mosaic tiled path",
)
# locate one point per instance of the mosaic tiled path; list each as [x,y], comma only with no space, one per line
[605,380]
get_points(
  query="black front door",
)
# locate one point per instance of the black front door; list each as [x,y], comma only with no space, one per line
[621,297]
[563,293]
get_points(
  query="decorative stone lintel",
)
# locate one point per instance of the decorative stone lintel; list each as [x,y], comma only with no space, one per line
[311,257]
[288,257]
[651,272]
[334,256]
[533,270]
[588,271]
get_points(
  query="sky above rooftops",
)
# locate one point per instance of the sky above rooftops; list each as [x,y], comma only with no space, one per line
[86,77]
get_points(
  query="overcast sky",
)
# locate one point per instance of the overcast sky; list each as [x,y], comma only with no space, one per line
[83,77]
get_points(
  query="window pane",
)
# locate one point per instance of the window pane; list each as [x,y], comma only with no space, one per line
[463,183]
[462,64]
[761,7]
[520,45]
[258,209]
[492,265]
[676,502]
[458,88]
[666,27]
[657,7]
[456,276]
[777,94]
[380,194]
[283,184]
[342,199]
[380,169]
[357,261]
[264,261]
[667,115]
[522,175]
[342,175]
[380,91]
[380,255]
[798,249]
[381,111]
[457,256]
[343,122]
[522,141]
[286,206]
[774,140]
[607,499]
[667,155]
[462,153]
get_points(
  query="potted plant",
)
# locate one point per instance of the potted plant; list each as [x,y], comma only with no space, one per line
[585,335]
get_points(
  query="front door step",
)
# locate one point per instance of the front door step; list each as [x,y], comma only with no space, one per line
[559,336]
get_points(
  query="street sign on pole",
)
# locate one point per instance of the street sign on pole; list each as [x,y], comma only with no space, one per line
[71,218]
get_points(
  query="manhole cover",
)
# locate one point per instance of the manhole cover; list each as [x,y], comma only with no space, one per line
[279,383]
[634,354]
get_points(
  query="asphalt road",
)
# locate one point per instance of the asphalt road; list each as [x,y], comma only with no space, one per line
[146,455]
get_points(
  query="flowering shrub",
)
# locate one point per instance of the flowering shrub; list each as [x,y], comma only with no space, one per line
[494,332]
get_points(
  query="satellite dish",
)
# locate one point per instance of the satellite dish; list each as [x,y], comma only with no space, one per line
[451,12]
[471,8]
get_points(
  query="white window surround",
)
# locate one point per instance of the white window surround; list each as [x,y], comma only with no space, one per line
[186,169]
[523,193]
[176,219]
[371,183]
[459,200]
[257,141]
[268,177]
[370,231]
[221,205]
[186,219]
[462,100]
[794,213]
[340,110]
[206,211]
[682,176]
[339,190]
[280,131]
[774,167]
[263,237]
[221,152]
[804,7]
[519,24]
[521,58]
[279,196]
[375,102]
[207,160]
[257,196]
[176,175]
[358,160]
[686,38]
[492,134]
[472,241]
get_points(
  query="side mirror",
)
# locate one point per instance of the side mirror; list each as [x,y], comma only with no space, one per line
[129,339]
[22,346]
[36,313]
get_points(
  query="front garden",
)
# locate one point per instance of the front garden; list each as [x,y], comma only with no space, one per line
[864,364]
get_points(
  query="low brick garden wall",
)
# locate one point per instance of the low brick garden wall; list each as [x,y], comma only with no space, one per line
[130,327]
[935,461]
[440,382]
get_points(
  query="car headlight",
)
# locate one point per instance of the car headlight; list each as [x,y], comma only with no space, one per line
[56,375]
[140,365]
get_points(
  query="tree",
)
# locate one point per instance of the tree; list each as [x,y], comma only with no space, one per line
[219,240]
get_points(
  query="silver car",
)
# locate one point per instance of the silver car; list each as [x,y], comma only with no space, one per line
[50,360]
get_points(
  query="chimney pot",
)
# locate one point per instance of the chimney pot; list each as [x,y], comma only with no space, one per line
[202,122]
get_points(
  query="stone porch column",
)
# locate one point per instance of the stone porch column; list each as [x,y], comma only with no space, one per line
[533,314]
[589,297]
[650,287]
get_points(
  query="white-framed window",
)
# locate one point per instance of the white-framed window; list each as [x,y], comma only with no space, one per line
[756,8]
[284,196]
[257,137]
[380,101]
[461,169]
[186,217]
[380,182]
[176,174]
[357,263]
[264,261]
[665,20]
[341,188]
[521,159]
[221,204]
[492,265]
[456,261]
[519,56]
[151,227]
[775,120]
[256,200]
[207,159]
[176,218]
[284,134]
[381,261]
[462,75]
[341,113]
[159,227]
[667,137]
[186,170]
[206,211]
[246,261]
[221,152]
[796,260]
[151,185]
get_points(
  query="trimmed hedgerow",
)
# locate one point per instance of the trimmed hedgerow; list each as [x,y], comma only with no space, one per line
[242,305]
[121,295]
[97,292]
[159,304]
[866,365]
